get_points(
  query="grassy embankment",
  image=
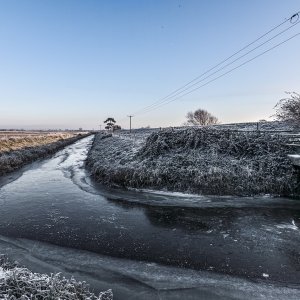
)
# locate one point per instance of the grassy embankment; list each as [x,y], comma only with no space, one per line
[17,150]
[202,161]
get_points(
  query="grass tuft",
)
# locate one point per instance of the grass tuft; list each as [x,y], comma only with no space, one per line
[21,283]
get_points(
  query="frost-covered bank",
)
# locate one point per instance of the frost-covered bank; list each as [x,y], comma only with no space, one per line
[21,283]
[16,152]
[204,160]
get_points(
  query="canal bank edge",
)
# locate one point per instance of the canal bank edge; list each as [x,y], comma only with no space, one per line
[13,160]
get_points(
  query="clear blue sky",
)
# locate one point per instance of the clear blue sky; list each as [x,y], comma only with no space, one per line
[70,63]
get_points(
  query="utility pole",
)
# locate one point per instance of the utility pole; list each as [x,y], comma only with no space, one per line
[130,122]
[100,127]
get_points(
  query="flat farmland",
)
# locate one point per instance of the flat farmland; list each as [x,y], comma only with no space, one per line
[15,140]
[18,148]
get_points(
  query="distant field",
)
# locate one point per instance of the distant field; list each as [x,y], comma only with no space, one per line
[15,140]
[19,133]
[8,133]
[20,148]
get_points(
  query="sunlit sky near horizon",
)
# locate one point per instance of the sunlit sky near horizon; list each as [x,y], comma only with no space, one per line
[70,64]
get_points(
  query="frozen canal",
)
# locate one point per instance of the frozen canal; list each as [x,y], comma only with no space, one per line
[147,245]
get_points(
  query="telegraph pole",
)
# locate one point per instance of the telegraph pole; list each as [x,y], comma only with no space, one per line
[100,127]
[130,122]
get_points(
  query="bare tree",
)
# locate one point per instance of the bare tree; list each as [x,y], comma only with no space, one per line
[288,109]
[200,117]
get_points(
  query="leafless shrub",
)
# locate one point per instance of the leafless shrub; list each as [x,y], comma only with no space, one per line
[288,109]
[200,117]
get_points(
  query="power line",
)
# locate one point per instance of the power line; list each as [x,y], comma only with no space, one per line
[206,72]
[231,70]
[227,65]
[179,90]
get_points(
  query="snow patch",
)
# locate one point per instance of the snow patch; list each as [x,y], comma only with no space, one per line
[291,226]
[2,273]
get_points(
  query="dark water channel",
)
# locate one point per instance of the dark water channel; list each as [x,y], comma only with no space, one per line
[147,245]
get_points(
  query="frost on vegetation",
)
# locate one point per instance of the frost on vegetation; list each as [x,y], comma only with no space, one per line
[20,283]
[17,151]
[12,142]
[197,160]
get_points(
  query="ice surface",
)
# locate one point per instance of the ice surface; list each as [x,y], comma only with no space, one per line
[294,156]
[170,193]
[295,159]
[135,280]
